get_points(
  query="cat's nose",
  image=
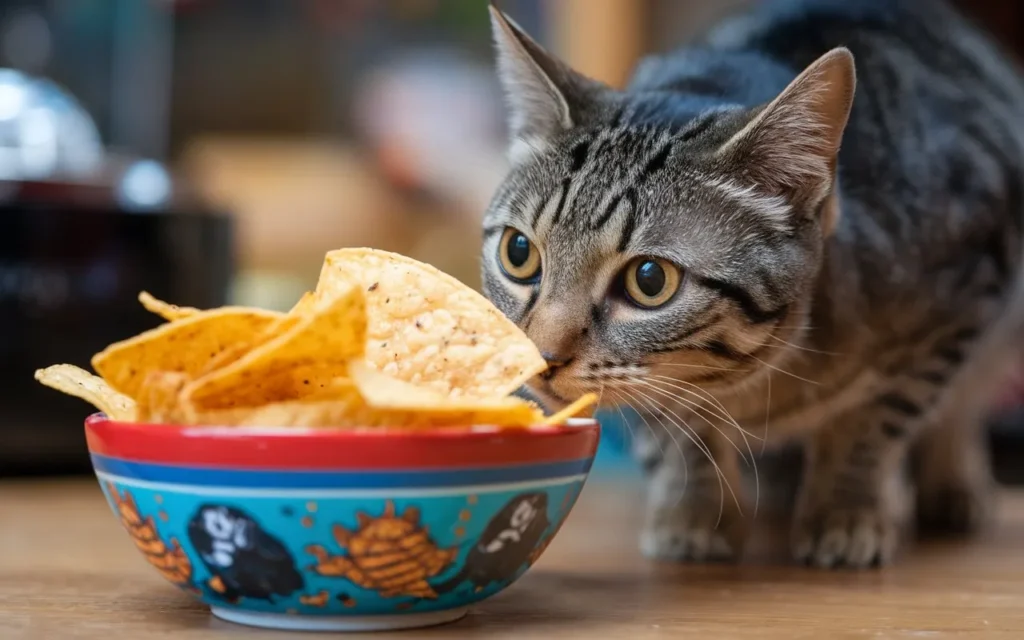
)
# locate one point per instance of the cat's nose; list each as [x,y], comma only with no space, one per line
[555,362]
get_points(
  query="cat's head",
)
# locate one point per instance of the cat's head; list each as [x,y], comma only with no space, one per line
[632,246]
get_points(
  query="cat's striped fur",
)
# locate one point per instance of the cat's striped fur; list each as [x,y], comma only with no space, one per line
[863,298]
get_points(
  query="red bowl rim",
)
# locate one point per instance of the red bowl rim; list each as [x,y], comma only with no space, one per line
[327,448]
[470,432]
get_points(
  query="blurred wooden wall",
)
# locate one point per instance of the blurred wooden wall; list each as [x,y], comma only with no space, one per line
[600,38]
[604,38]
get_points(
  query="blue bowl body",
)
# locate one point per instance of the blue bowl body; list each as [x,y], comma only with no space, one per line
[335,543]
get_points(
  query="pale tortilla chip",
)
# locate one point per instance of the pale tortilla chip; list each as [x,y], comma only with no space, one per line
[77,382]
[429,329]
[381,391]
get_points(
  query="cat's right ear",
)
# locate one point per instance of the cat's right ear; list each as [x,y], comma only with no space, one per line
[544,95]
[790,148]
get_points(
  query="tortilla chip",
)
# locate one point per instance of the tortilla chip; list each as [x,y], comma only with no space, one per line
[160,398]
[83,385]
[302,308]
[304,305]
[343,414]
[337,408]
[381,391]
[165,310]
[296,364]
[185,346]
[370,399]
[236,352]
[427,328]
[574,410]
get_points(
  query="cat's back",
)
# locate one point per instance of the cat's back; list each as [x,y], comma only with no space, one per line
[936,113]
[912,57]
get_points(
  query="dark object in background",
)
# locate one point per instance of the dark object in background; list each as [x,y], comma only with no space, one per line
[72,262]
[1004,20]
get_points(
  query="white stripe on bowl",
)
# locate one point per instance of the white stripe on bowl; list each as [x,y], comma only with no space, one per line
[396,492]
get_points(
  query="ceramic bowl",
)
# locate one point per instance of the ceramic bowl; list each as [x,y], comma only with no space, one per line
[340,530]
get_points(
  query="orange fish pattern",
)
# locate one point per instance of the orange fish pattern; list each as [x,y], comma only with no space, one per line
[169,559]
[390,554]
[315,600]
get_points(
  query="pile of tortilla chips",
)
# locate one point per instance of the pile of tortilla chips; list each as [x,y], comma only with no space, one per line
[384,341]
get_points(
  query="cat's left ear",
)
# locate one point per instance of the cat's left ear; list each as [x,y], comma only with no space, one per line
[790,147]
[545,96]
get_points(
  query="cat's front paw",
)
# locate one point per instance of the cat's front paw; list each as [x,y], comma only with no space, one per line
[834,536]
[694,534]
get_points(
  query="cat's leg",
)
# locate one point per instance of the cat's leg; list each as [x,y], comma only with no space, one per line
[953,476]
[695,500]
[855,500]
[952,470]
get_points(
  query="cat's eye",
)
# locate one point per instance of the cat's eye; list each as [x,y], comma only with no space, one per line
[651,282]
[518,257]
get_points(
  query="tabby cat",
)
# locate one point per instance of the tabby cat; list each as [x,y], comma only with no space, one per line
[745,252]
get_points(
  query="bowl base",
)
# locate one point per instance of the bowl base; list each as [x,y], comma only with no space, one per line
[290,622]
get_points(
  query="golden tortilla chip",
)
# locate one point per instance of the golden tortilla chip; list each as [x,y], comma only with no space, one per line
[296,364]
[234,353]
[83,385]
[284,324]
[429,329]
[574,410]
[184,346]
[165,310]
[342,414]
[160,398]
[336,407]
[370,399]
[304,305]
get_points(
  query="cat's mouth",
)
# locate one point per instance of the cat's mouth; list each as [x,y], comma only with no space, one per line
[542,395]
[652,384]
[661,381]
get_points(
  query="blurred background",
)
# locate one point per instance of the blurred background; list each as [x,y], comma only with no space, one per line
[211,152]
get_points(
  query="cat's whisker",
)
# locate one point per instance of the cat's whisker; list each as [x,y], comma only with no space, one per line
[703,395]
[693,366]
[754,344]
[626,423]
[668,382]
[784,372]
[657,440]
[801,347]
[732,421]
[757,474]
[799,327]
[676,419]
[750,451]
[713,424]
[767,414]
[679,446]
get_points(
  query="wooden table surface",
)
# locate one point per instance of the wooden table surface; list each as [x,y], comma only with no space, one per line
[67,570]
